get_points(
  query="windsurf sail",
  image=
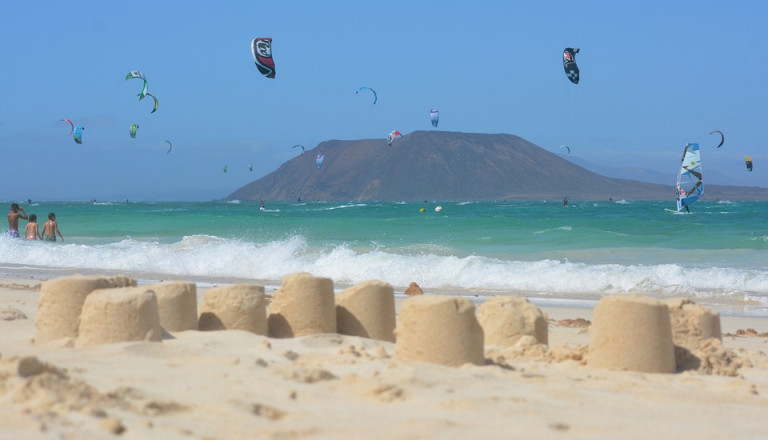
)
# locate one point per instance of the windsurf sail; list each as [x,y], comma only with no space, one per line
[690,186]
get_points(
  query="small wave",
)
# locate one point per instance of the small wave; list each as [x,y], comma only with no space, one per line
[561,228]
[355,205]
[234,202]
[432,266]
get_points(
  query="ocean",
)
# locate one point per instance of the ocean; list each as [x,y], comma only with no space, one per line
[716,255]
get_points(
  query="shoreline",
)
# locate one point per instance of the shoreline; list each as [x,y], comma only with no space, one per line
[42,273]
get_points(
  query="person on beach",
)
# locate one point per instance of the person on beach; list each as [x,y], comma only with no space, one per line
[13,220]
[32,231]
[50,228]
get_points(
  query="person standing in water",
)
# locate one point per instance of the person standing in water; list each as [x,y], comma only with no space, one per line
[13,219]
[50,228]
[31,231]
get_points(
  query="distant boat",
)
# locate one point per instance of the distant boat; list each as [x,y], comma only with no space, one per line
[690,186]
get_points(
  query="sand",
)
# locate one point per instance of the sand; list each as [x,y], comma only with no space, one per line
[238,384]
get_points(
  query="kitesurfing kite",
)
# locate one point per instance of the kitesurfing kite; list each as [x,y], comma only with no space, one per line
[392,136]
[250,167]
[134,127]
[156,103]
[224,169]
[261,49]
[136,74]
[78,136]
[319,160]
[722,137]
[690,186]
[748,162]
[567,148]
[375,96]
[434,117]
[170,146]
[569,64]
[70,123]
[302,147]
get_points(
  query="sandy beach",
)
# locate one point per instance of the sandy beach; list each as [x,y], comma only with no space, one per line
[237,384]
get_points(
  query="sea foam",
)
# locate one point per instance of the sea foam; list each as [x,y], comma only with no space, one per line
[433,268]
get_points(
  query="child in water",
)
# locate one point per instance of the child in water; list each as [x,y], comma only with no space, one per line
[32,231]
[50,228]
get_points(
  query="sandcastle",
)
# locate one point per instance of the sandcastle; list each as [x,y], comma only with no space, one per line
[439,329]
[506,319]
[119,315]
[632,332]
[234,307]
[61,301]
[692,324]
[304,305]
[367,310]
[177,304]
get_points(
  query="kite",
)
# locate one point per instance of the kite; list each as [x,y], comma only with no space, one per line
[375,96]
[170,146]
[250,167]
[569,64]
[434,116]
[302,147]
[319,160]
[392,136]
[722,137]
[567,148]
[261,49]
[224,169]
[748,162]
[156,103]
[138,75]
[78,136]
[70,123]
[134,127]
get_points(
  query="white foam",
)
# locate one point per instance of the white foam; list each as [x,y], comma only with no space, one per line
[433,267]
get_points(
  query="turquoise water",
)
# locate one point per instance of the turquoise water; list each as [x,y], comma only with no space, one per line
[718,253]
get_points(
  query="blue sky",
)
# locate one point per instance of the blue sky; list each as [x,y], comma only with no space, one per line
[655,75]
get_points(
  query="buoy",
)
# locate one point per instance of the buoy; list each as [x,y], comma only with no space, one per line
[422,210]
[438,208]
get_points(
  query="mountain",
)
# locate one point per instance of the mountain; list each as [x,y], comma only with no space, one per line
[439,165]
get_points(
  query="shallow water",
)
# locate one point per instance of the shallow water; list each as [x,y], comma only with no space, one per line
[718,254]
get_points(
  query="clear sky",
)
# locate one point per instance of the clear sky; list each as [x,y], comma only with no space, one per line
[654,75]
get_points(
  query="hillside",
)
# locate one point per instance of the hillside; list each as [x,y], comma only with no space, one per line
[437,165]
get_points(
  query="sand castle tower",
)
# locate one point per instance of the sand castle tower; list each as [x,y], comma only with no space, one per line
[505,319]
[61,301]
[367,310]
[177,304]
[234,307]
[632,332]
[304,305]
[692,324]
[439,329]
[119,315]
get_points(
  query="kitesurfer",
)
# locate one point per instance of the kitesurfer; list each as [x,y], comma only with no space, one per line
[262,208]
[565,201]
[13,220]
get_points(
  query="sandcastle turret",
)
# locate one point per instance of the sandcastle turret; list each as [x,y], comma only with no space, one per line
[61,301]
[304,305]
[234,307]
[632,332]
[439,329]
[506,319]
[367,310]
